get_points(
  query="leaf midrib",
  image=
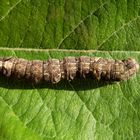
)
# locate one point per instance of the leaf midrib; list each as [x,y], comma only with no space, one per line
[64,50]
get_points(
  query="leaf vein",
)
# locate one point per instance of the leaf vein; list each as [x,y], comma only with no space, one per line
[81,21]
[11,8]
[115,32]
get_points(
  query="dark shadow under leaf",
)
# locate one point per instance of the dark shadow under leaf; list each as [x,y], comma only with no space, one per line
[79,84]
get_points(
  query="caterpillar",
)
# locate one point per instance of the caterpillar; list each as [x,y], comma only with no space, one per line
[53,70]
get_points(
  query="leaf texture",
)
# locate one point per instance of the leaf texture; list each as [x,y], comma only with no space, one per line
[80,109]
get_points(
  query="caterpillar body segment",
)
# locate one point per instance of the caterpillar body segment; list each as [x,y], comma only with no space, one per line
[53,70]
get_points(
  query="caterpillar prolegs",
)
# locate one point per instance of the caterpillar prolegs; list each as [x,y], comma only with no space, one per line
[53,70]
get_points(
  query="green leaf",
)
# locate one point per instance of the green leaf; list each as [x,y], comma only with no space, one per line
[90,24]
[80,109]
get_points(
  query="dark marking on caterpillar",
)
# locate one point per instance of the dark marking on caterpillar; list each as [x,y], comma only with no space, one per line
[54,70]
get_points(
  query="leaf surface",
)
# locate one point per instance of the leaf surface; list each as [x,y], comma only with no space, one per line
[80,109]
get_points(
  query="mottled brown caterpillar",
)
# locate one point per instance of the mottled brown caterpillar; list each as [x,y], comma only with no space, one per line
[53,70]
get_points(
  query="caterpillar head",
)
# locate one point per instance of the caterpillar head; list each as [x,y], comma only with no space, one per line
[131,67]
[131,64]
